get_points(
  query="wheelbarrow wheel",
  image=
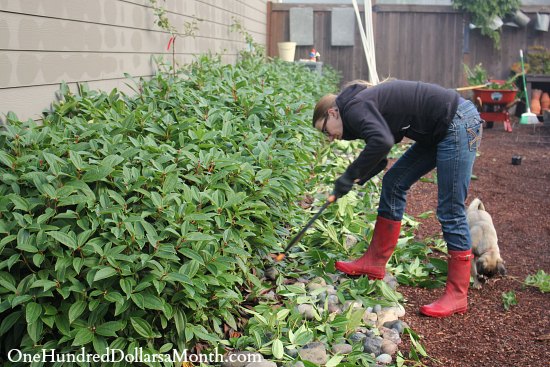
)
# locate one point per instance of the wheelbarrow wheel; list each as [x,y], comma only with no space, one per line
[489,124]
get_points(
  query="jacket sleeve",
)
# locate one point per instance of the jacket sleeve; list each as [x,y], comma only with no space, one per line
[376,170]
[369,124]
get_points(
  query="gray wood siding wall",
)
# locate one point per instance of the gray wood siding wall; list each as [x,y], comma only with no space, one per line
[412,42]
[46,42]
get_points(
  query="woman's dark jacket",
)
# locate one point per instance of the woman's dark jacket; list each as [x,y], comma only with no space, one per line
[382,115]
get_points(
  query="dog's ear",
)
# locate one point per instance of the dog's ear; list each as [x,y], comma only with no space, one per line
[479,266]
[501,269]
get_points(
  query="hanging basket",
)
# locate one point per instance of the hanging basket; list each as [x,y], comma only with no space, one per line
[495,23]
[520,18]
[543,20]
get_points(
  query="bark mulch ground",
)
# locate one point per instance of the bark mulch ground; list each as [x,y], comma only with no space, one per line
[518,198]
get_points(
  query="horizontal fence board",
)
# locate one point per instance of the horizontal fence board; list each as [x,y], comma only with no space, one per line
[403,8]
[284,7]
[409,8]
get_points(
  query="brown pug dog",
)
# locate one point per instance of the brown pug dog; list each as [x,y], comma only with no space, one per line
[487,261]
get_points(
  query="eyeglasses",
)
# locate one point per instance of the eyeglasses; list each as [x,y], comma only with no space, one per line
[324,128]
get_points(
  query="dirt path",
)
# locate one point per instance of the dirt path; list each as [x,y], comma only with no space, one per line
[518,198]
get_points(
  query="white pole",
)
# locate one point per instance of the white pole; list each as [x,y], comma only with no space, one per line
[373,76]
[370,38]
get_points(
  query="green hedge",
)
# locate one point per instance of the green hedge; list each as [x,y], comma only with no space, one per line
[138,221]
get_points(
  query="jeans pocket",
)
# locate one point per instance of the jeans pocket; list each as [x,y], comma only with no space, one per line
[474,130]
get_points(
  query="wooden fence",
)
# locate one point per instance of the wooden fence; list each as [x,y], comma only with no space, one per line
[414,42]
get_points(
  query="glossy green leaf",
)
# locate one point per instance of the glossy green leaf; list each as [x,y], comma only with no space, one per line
[142,327]
[83,336]
[278,349]
[104,273]
[76,310]
[109,328]
[32,312]
[63,238]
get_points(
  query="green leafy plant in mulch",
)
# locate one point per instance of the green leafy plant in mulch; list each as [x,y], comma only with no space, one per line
[416,352]
[540,280]
[509,299]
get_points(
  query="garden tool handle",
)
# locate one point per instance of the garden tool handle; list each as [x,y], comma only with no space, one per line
[472,87]
[331,199]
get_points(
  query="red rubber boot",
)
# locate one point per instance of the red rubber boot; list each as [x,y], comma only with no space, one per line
[455,299]
[373,262]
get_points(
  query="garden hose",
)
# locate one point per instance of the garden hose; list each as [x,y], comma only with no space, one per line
[331,199]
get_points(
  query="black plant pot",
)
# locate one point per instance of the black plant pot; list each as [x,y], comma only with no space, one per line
[520,108]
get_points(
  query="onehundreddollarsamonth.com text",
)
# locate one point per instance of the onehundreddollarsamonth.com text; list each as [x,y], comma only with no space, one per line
[138,355]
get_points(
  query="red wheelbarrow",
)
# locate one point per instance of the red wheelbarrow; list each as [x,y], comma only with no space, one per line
[493,104]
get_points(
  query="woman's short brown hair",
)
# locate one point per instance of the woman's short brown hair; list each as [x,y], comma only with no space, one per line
[325,103]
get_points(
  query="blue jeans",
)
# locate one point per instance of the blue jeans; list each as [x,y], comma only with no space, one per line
[454,158]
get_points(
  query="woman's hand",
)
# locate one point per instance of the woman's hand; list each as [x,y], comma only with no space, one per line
[342,185]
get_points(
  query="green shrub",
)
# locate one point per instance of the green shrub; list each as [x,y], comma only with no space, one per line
[138,221]
[509,299]
[540,280]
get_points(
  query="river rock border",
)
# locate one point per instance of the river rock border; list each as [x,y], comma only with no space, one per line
[381,338]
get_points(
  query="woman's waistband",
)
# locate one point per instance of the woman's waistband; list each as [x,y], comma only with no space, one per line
[465,107]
